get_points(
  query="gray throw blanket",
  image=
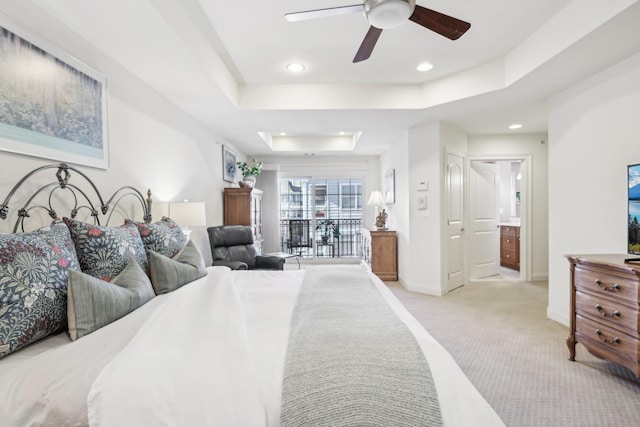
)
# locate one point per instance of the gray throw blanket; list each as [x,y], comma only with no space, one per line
[351,361]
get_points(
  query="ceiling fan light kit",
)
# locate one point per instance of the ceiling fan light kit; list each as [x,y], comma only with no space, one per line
[385,14]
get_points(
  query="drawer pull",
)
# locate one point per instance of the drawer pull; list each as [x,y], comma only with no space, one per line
[615,340]
[508,241]
[614,287]
[605,314]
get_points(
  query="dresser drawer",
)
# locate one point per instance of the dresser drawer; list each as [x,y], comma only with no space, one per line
[508,230]
[509,242]
[508,256]
[608,312]
[606,342]
[602,282]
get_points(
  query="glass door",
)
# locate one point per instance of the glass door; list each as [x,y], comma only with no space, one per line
[321,217]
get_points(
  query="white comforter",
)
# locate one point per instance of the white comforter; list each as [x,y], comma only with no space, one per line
[210,353]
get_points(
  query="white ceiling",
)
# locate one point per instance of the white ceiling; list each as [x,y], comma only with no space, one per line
[224,63]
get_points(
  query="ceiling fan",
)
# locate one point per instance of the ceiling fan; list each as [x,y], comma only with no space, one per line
[385,14]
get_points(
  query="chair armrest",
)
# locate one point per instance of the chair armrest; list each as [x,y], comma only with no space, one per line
[234,265]
[270,262]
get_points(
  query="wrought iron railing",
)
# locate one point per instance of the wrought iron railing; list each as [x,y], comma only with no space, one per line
[347,244]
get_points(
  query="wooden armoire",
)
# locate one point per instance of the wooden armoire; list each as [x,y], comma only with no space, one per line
[243,206]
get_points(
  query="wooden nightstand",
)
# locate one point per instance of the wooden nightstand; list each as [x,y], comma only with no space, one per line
[380,253]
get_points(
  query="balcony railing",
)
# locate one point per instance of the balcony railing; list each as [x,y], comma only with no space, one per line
[348,244]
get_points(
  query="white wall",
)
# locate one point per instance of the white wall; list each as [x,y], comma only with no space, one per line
[421,241]
[397,157]
[153,144]
[593,135]
[267,181]
[521,145]
[424,248]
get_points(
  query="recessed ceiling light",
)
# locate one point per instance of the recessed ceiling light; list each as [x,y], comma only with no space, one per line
[295,67]
[283,133]
[515,126]
[425,66]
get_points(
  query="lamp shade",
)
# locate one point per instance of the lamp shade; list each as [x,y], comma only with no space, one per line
[188,214]
[376,198]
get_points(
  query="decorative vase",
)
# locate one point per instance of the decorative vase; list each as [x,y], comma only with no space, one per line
[249,180]
[325,239]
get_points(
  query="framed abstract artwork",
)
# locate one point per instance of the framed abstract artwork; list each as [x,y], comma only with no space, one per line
[390,186]
[228,164]
[51,105]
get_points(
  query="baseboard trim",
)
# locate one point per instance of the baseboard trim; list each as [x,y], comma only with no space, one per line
[540,278]
[557,317]
[421,289]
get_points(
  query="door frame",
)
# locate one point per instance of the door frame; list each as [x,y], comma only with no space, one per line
[525,207]
[446,216]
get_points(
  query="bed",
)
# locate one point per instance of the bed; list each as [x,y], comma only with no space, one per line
[321,346]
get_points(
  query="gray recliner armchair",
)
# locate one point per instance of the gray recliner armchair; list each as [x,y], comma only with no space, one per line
[232,246]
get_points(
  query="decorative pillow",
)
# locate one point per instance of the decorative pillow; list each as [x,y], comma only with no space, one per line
[33,284]
[169,274]
[164,237]
[94,303]
[104,252]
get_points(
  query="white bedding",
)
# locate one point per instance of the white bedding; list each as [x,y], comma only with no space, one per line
[210,353]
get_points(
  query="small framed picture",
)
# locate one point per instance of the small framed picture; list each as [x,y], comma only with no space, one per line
[390,186]
[228,164]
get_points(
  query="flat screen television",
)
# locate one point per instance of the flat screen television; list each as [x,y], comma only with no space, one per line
[633,242]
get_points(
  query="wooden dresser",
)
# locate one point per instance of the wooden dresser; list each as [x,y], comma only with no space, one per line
[380,253]
[243,206]
[604,308]
[510,246]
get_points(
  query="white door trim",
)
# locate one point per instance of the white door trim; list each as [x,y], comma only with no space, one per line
[454,230]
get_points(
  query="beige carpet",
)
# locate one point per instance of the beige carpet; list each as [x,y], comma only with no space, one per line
[518,360]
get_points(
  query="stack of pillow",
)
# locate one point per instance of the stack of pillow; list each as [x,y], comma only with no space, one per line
[83,276]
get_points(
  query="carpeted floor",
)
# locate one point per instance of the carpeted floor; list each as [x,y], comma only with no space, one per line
[518,360]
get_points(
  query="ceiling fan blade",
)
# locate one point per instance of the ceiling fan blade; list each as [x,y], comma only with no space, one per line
[442,24]
[369,42]
[322,13]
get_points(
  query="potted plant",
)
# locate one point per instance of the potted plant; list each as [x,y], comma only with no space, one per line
[249,173]
[328,227]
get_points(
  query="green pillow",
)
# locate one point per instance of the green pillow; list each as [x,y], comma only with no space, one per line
[93,303]
[168,274]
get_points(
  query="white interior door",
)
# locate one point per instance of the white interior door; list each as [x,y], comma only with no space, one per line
[484,233]
[455,221]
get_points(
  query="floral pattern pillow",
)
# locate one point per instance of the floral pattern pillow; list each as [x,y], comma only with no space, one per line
[104,252]
[33,284]
[164,237]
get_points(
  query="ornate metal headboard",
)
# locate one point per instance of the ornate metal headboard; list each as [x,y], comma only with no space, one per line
[78,199]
